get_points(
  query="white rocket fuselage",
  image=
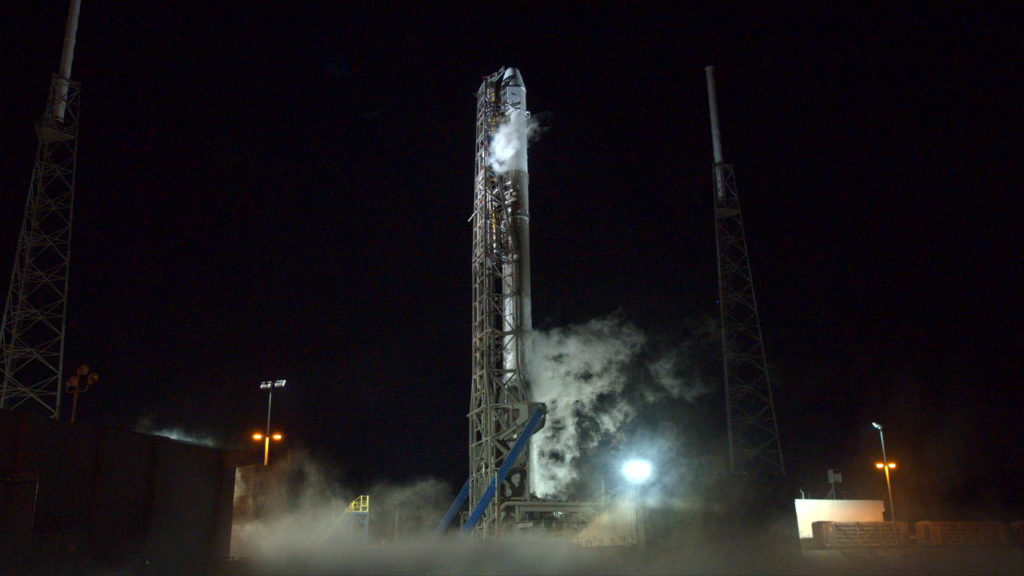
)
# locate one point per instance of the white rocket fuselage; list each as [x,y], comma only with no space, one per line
[516,180]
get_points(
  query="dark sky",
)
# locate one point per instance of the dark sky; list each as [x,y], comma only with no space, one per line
[284,192]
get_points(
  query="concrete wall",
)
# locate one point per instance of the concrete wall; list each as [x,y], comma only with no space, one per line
[810,511]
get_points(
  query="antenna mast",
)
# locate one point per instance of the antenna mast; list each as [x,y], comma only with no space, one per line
[32,336]
[754,448]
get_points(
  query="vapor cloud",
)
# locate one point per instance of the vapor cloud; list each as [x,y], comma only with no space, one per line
[147,425]
[508,144]
[296,525]
[596,378]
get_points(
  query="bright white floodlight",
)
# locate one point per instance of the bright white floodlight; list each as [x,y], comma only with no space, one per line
[637,471]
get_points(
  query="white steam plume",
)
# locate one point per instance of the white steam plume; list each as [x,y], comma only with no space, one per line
[146,425]
[289,520]
[595,378]
[508,144]
[293,528]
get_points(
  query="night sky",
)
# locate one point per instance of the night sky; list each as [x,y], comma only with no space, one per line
[284,192]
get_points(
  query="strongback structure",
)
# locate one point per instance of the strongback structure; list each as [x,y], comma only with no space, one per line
[32,340]
[499,408]
[754,448]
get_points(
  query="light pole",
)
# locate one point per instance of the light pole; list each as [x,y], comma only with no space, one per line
[636,473]
[266,438]
[886,466]
[269,386]
[80,383]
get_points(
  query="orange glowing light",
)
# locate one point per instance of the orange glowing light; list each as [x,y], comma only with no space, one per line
[880,466]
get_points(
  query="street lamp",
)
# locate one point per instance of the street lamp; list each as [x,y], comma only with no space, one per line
[269,386]
[636,473]
[80,383]
[266,438]
[886,465]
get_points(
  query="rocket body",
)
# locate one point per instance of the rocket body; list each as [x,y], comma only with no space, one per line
[509,160]
[500,401]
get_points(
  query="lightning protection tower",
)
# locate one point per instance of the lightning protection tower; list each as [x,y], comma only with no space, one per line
[32,340]
[499,407]
[754,448]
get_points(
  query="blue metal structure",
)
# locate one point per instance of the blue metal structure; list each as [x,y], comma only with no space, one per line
[534,424]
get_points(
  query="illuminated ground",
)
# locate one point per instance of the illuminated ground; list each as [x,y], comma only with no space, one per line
[501,558]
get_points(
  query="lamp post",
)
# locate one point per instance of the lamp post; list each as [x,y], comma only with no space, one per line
[80,383]
[266,438]
[269,386]
[885,465]
[636,473]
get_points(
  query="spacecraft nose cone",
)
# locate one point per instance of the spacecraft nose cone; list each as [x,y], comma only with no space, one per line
[512,77]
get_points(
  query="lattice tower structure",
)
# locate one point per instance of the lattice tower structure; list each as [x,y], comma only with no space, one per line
[32,335]
[755,451]
[499,401]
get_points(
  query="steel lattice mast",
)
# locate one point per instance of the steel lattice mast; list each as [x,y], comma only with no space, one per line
[754,448]
[499,401]
[32,339]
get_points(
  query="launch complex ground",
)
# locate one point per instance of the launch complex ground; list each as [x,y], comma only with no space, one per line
[105,501]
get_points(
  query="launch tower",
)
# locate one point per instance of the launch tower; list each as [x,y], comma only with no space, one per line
[32,336]
[500,412]
[754,449]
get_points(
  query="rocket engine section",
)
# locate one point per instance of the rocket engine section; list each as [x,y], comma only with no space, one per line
[499,401]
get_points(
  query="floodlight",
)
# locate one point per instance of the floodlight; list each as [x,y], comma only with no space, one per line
[637,471]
